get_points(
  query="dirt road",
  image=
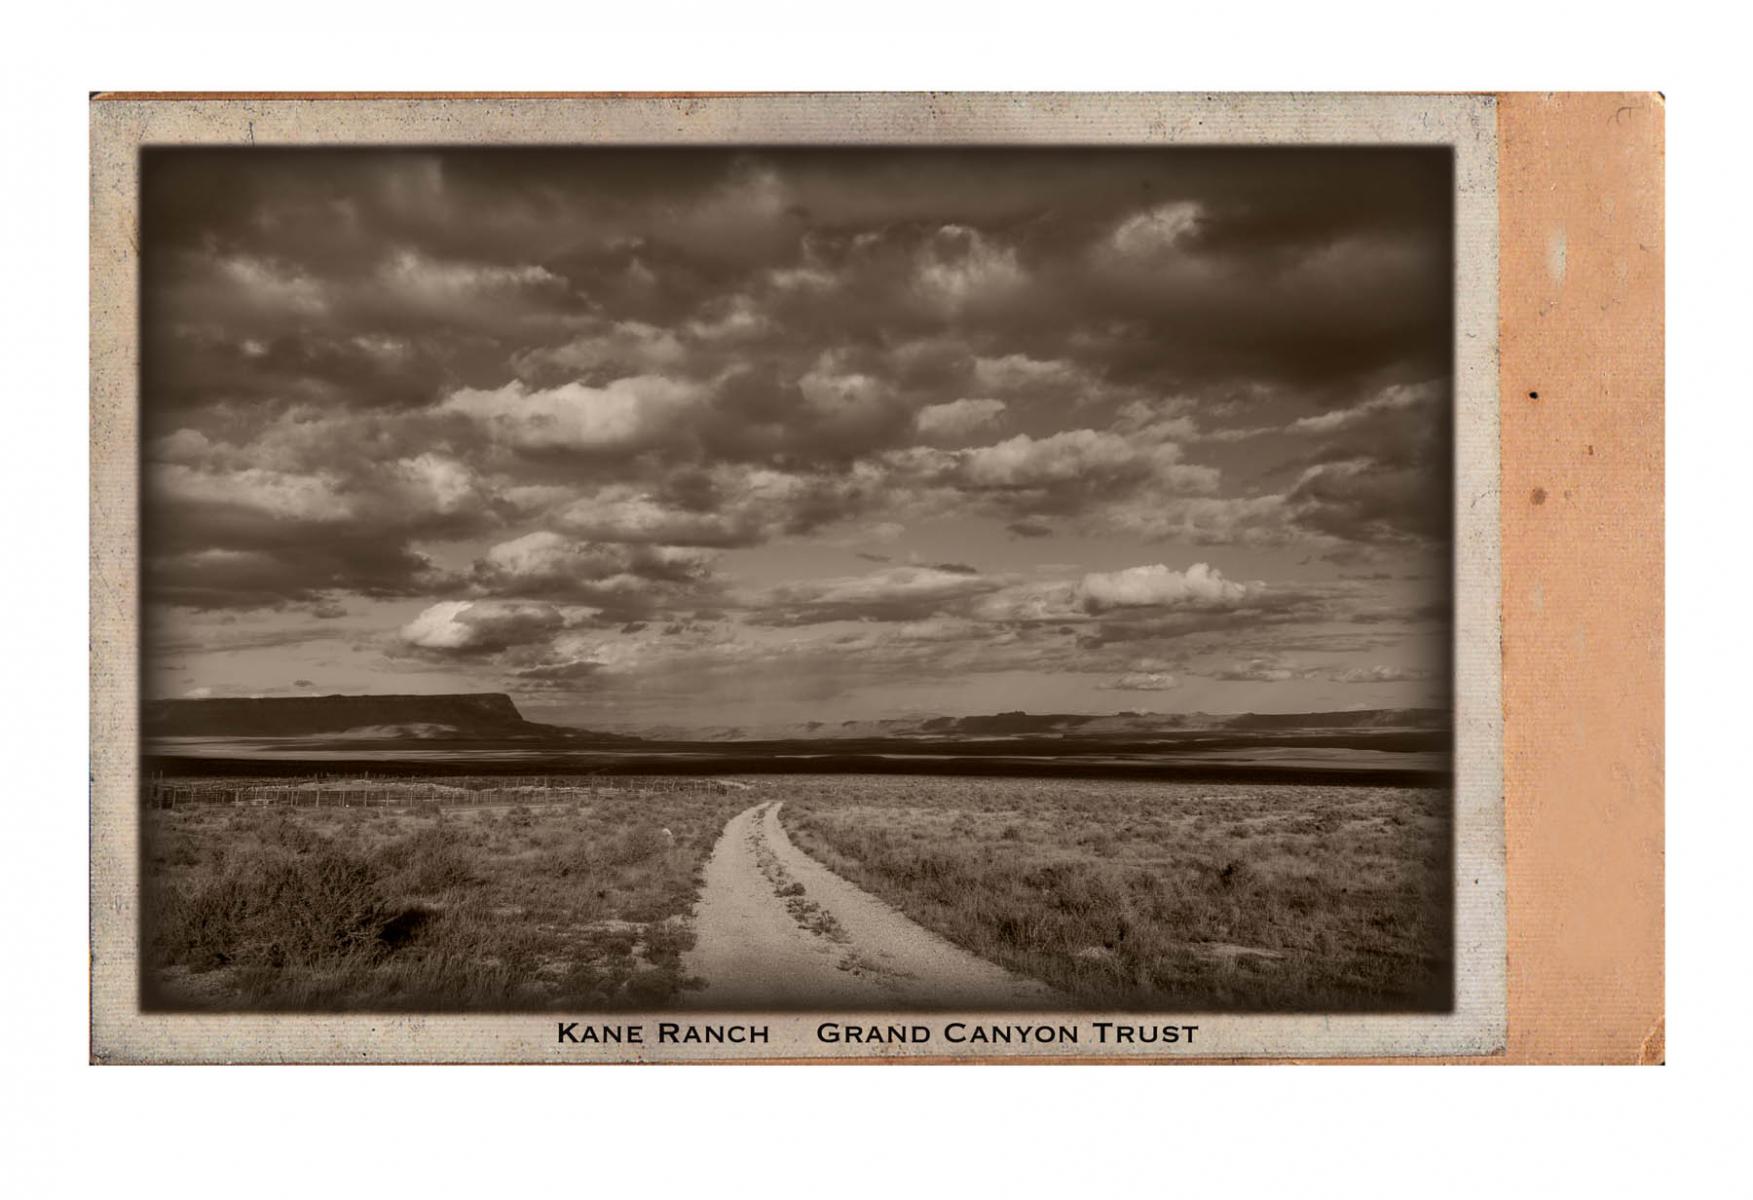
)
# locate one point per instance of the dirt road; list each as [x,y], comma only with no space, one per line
[777,930]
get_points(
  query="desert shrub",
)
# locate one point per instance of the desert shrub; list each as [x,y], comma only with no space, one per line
[576,859]
[327,904]
[278,911]
[202,927]
[635,845]
[582,983]
[649,988]
[1098,841]
[665,943]
[432,860]
[284,831]
[182,854]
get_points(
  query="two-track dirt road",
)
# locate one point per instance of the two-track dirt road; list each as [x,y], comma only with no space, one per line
[775,929]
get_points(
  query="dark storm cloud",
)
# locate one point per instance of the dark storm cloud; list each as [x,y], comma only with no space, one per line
[1378,470]
[1185,269]
[289,509]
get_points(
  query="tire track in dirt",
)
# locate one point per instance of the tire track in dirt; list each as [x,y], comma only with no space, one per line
[774,929]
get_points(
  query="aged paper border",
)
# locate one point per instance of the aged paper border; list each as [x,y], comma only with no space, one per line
[121,124]
[1581,201]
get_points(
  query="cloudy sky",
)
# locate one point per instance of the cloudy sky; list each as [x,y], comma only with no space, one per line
[672,438]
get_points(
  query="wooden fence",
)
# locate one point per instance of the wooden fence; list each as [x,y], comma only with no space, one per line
[357,792]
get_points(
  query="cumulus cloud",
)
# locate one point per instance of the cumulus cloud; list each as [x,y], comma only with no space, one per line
[629,515]
[733,318]
[896,594]
[959,267]
[1156,230]
[632,348]
[1024,461]
[274,285]
[416,279]
[549,564]
[844,399]
[280,494]
[725,506]
[1379,674]
[1081,454]
[626,414]
[465,627]
[1019,372]
[957,418]
[1200,586]
[1143,681]
[1360,500]
[1075,472]
[1393,399]
[1054,602]
[1206,520]
[438,484]
[1256,670]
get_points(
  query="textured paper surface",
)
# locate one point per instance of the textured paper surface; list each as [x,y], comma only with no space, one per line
[122,125]
[1581,180]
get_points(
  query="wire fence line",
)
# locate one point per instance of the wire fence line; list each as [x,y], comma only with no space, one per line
[355,791]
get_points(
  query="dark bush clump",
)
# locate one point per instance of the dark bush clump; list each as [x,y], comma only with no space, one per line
[313,909]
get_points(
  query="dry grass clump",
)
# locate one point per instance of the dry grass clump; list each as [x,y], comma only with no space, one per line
[569,906]
[1156,897]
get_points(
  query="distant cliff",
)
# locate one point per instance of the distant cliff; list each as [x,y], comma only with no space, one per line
[473,715]
[1085,727]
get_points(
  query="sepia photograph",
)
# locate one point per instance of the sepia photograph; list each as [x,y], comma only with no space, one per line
[797,578]
[946,571]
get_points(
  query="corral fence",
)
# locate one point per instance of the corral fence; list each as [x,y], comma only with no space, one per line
[354,791]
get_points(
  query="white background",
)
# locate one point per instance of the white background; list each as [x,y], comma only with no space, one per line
[778,1131]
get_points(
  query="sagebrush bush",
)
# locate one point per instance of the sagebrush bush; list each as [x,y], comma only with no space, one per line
[427,862]
[665,943]
[278,910]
